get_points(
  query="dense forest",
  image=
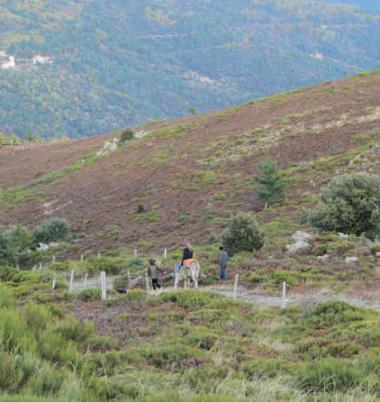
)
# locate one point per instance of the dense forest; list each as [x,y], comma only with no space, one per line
[366,4]
[116,64]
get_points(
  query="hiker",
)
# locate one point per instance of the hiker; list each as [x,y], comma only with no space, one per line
[223,261]
[187,255]
[153,273]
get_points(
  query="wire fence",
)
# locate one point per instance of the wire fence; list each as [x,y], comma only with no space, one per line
[78,282]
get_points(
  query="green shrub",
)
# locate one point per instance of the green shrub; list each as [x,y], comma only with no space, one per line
[15,246]
[187,298]
[136,295]
[127,135]
[329,375]
[90,294]
[350,204]
[6,298]
[36,316]
[333,313]
[10,373]
[267,368]
[121,282]
[281,275]
[242,234]
[52,230]
[110,265]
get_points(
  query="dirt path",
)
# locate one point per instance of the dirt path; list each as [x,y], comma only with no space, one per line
[307,301]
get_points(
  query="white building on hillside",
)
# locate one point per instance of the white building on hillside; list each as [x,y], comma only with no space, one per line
[10,63]
[39,59]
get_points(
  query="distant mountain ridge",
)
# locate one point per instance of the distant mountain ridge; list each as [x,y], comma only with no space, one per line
[117,64]
[366,4]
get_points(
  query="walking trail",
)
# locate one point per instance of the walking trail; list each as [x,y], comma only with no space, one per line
[305,300]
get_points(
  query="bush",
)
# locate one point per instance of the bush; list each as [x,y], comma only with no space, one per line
[329,314]
[187,298]
[127,135]
[15,246]
[52,230]
[242,234]
[350,204]
[110,265]
[329,375]
[90,294]
[121,283]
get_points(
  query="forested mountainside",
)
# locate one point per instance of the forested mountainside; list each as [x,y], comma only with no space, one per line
[366,4]
[85,67]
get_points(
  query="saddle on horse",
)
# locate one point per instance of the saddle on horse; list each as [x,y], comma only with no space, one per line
[186,263]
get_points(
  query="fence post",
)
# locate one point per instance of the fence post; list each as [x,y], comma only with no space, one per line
[85,280]
[284,299]
[40,266]
[53,259]
[135,254]
[71,286]
[147,283]
[176,275]
[54,281]
[165,253]
[236,286]
[99,255]
[129,280]
[81,257]
[103,284]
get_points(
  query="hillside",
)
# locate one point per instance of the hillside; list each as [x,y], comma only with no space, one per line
[191,174]
[185,178]
[87,67]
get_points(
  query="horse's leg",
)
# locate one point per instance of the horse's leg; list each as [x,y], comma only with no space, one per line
[176,279]
[195,278]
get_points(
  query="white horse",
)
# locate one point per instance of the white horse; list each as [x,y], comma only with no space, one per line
[191,273]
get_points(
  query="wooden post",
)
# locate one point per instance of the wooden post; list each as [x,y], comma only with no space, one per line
[103,284]
[99,255]
[165,253]
[129,280]
[147,283]
[135,254]
[71,286]
[53,259]
[85,280]
[236,286]
[54,282]
[40,266]
[284,299]
[81,257]
[176,278]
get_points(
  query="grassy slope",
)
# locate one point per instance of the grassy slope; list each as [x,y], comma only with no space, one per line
[191,175]
[180,346]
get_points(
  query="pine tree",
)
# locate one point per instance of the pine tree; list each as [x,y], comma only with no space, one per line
[271,186]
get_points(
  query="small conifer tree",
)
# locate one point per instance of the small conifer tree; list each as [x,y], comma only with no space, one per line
[271,186]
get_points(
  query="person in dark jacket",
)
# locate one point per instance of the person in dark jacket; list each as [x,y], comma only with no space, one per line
[153,274]
[223,261]
[187,252]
